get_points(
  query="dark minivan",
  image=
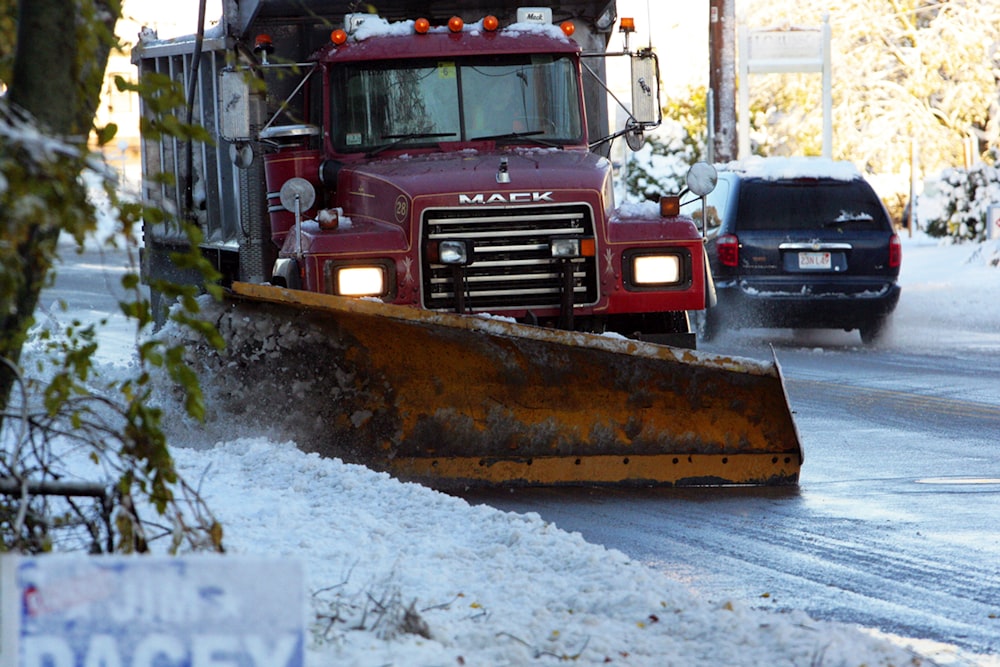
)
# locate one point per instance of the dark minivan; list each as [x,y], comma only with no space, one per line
[799,243]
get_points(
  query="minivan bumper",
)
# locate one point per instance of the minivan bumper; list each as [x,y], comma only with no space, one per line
[769,304]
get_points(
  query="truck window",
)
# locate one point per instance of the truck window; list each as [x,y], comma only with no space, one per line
[535,96]
[424,103]
[377,106]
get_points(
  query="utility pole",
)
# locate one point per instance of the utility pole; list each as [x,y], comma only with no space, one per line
[722,78]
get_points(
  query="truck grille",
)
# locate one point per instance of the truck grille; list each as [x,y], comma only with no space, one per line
[512,266]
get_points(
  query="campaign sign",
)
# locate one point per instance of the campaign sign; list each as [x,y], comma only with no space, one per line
[145,611]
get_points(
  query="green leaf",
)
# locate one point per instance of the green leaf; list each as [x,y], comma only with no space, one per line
[106,134]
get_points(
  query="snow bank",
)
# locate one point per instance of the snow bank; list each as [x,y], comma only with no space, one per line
[489,587]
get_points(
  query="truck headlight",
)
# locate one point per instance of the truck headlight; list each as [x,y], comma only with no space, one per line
[565,247]
[453,252]
[370,277]
[360,281]
[656,269]
[572,247]
[450,252]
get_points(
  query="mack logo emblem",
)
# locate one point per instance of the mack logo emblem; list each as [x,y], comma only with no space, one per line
[506,198]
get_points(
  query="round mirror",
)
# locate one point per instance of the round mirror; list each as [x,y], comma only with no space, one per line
[633,135]
[241,154]
[701,178]
[297,188]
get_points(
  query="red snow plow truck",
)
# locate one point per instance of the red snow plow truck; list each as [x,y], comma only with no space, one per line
[427,191]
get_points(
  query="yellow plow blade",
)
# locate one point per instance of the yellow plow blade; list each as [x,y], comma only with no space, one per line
[462,400]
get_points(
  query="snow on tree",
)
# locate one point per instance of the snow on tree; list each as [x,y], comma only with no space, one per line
[955,203]
[903,71]
[659,167]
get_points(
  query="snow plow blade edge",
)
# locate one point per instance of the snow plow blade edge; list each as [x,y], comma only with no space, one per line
[456,401]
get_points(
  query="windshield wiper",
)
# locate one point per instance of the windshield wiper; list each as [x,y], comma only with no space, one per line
[400,138]
[532,135]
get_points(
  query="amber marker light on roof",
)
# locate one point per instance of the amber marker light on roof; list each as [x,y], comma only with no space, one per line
[455,24]
[491,23]
[568,28]
[627,25]
[338,37]
[421,26]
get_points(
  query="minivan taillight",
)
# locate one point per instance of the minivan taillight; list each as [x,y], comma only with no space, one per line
[728,248]
[895,252]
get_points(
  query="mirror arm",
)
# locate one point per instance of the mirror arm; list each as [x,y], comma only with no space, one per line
[603,85]
[611,137]
[615,98]
[313,68]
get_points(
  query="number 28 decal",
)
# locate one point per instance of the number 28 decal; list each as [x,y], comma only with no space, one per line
[402,208]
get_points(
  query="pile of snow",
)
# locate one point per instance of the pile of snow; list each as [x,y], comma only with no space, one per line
[950,291]
[776,168]
[489,588]
[368,26]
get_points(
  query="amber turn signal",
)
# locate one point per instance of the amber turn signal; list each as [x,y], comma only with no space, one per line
[670,205]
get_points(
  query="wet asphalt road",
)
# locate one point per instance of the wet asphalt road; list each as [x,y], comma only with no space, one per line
[895,524]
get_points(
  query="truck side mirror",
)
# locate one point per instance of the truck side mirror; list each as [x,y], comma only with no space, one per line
[646,109]
[234,106]
[633,135]
[702,178]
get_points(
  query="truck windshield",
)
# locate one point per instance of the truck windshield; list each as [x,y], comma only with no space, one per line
[510,99]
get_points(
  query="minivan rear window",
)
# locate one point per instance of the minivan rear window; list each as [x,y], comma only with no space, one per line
[809,204]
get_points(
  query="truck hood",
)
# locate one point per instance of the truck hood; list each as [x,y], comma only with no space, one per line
[471,176]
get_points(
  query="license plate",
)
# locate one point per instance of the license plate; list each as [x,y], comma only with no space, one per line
[814,260]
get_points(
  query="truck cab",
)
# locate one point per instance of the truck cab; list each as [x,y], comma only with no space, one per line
[452,167]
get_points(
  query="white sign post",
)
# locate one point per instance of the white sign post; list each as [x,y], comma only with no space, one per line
[993,221]
[781,51]
[145,611]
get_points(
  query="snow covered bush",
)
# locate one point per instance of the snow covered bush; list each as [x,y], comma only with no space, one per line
[955,203]
[659,167]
